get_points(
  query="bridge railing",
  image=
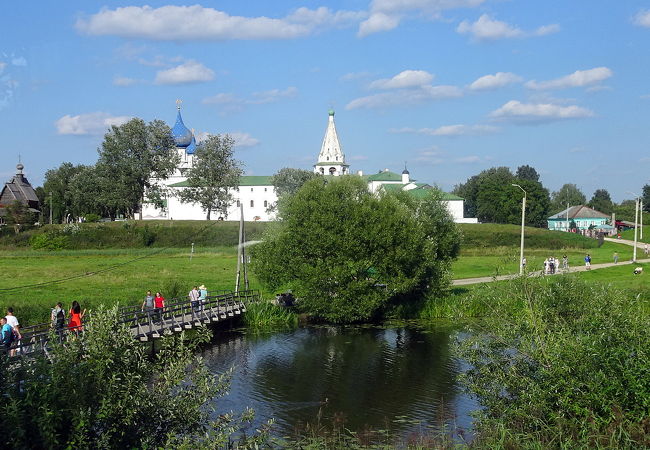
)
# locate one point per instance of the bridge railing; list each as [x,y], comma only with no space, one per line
[173,315]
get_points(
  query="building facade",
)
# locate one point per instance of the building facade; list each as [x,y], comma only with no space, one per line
[256,193]
[579,218]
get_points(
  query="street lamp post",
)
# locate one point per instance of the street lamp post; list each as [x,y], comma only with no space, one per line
[523,220]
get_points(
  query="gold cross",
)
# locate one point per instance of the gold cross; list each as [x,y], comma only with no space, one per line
[178,103]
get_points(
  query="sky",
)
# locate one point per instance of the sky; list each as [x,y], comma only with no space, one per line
[447,87]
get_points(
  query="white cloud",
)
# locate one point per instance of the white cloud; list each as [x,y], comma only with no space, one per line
[404,79]
[495,81]
[488,29]
[431,156]
[90,123]
[188,72]
[273,95]
[124,81]
[473,159]
[579,78]
[355,76]
[405,97]
[642,18]
[539,112]
[19,61]
[451,130]
[231,102]
[183,23]
[386,15]
[241,139]
[2,66]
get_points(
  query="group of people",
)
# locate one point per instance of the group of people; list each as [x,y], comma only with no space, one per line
[552,265]
[154,304]
[74,318]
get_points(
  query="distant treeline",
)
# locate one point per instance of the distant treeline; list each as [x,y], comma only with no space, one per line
[131,234]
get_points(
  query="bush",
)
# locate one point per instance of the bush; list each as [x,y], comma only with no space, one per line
[103,391]
[347,253]
[92,218]
[564,364]
[48,242]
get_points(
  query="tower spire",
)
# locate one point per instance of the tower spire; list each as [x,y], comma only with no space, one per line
[331,159]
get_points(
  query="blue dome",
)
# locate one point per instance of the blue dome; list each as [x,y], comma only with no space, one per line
[182,135]
[192,147]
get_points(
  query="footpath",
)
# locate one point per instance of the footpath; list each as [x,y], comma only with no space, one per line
[640,247]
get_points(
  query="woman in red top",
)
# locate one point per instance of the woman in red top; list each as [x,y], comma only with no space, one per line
[76,316]
[159,304]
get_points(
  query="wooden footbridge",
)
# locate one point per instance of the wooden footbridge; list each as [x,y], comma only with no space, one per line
[145,325]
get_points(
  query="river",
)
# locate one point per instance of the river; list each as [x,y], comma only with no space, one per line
[402,379]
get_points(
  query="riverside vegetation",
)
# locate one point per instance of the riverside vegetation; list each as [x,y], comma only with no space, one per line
[558,362]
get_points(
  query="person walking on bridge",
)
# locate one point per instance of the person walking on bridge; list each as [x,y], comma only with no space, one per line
[76,317]
[203,295]
[194,298]
[147,304]
[159,304]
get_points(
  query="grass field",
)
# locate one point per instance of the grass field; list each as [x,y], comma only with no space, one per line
[123,276]
[171,272]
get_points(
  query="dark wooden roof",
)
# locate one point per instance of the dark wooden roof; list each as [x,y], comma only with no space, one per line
[18,188]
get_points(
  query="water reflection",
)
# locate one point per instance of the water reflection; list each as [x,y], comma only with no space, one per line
[370,377]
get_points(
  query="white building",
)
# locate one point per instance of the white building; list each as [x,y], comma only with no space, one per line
[256,193]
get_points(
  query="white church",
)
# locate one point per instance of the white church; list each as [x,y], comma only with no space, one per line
[256,193]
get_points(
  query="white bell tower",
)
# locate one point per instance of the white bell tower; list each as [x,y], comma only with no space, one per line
[331,160]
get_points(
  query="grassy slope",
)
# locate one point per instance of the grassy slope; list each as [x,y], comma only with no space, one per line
[126,285]
[491,249]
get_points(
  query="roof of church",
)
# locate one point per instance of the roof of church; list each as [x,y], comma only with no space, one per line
[331,152]
[384,175]
[422,190]
[246,180]
[18,188]
[182,135]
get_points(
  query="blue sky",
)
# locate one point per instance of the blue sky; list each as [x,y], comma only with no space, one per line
[452,87]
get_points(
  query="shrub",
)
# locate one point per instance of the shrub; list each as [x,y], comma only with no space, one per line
[92,218]
[47,241]
[103,391]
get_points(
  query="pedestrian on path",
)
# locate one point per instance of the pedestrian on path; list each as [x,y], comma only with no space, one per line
[645,249]
[615,257]
[76,317]
[203,295]
[565,262]
[588,262]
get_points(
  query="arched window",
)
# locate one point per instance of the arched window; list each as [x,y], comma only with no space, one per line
[252,203]
[238,203]
[322,171]
[332,170]
[251,189]
[266,204]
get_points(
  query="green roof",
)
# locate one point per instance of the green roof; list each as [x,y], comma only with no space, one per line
[384,176]
[420,192]
[247,180]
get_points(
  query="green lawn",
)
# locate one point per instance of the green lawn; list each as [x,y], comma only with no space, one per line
[484,262]
[629,234]
[127,284]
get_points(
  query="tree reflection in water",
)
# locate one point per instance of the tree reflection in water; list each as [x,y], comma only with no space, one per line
[401,379]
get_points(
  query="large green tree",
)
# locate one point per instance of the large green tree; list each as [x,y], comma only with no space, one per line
[347,253]
[646,197]
[601,201]
[490,197]
[288,180]
[57,184]
[568,193]
[131,157]
[214,173]
[527,172]
[90,193]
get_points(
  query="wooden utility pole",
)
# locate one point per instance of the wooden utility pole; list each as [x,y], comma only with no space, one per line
[240,247]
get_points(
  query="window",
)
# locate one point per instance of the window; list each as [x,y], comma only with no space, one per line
[264,189]
[252,203]
[238,203]
[266,204]
[332,170]
[251,189]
